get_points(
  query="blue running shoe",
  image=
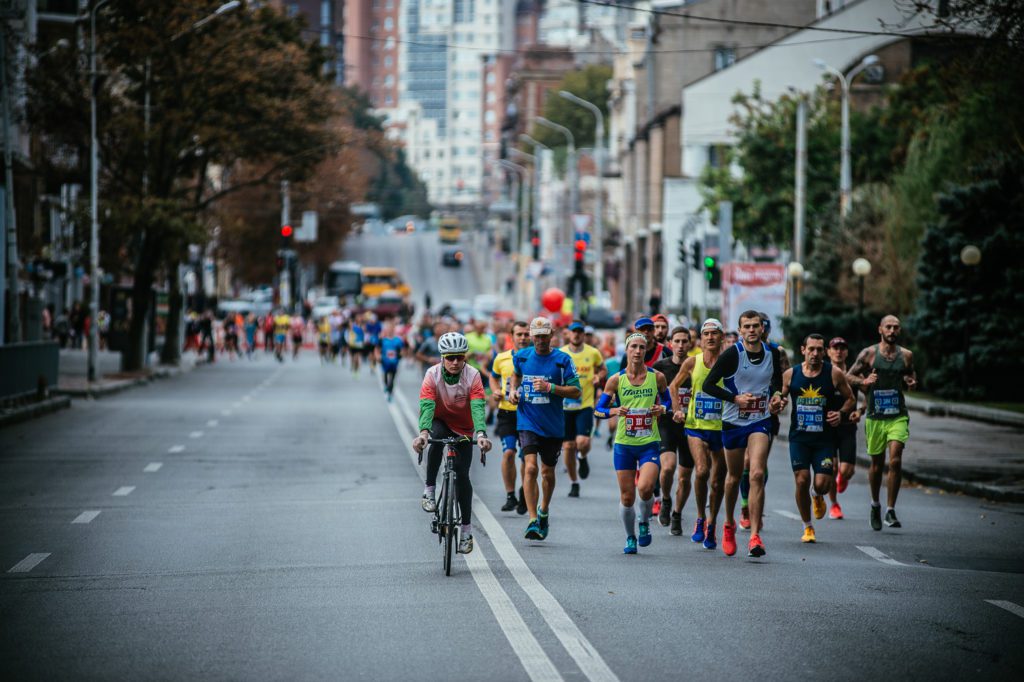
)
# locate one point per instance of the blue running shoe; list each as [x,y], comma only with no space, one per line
[630,547]
[533,531]
[709,538]
[645,534]
[542,522]
[698,531]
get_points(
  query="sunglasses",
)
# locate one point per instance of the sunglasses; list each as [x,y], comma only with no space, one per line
[460,357]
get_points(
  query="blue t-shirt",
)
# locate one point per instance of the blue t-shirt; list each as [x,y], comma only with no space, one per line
[391,351]
[542,412]
[373,331]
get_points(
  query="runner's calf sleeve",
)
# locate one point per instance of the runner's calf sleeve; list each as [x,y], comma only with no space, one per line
[745,486]
[628,516]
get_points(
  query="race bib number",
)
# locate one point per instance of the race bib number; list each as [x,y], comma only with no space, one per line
[810,415]
[391,355]
[684,398]
[759,408]
[886,401]
[639,423]
[530,394]
[572,403]
[707,407]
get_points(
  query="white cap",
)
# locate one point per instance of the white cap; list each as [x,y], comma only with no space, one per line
[540,326]
[711,323]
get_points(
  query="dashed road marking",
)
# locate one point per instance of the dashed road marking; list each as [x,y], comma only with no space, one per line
[175,449]
[212,423]
[153,467]
[196,434]
[28,563]
[787,514]
[123,491]
[86,517]
[879,556]
[1015,609]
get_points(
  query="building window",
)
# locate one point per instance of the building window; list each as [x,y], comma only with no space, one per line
[388,101]
[724,57]
[389,23]
[388,61]
[389,44]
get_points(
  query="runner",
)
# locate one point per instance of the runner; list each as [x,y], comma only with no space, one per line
[452,404]
[752,373]
[579,413]
[282,323]
[373,329]
[336,321]
[297,329]
[661,329]
[323,337]
[390,346]
[655,351]
[500,378]
[815,386]
[356,343]
[703,419]
[881,372]
[674,447]
[846,433]
[546,378]
[642,395]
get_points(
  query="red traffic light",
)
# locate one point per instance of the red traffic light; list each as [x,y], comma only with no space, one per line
[286,230]
[535,241]
[578,256]
[581,245]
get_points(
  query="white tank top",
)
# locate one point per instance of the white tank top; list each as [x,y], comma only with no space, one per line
[753,379]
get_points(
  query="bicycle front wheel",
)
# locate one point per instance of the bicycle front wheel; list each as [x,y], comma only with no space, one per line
[449,532]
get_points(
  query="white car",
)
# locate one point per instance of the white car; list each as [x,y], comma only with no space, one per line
[324,306]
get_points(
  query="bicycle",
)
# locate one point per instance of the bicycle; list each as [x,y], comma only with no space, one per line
[447,515]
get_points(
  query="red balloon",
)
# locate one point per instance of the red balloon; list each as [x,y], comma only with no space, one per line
[552,299]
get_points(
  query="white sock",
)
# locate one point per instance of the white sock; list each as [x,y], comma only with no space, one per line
[646,509]
[628,516]
[876,505]
[889,509]
[429,491]
[808,524]
[467,529]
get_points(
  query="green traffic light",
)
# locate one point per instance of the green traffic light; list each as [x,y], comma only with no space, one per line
[709,262]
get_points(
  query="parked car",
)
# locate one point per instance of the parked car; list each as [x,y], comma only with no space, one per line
[388,304]
[603,318]
[452,258]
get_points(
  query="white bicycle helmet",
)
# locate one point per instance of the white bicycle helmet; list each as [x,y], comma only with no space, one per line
[452,343]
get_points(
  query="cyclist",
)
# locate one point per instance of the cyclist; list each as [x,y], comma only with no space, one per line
[452,404]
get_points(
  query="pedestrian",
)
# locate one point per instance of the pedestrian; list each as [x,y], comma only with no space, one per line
[654,302]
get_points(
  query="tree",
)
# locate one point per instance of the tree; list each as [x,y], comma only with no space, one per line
[976,306]
[245,89]
[588,83]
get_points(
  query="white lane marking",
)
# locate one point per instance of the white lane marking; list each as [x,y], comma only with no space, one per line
[535,661]
[1015,609]
[212,423]
[575,643]
[246,399]
[124,491]
[787,514]
[28,563]
[226,413]
[153,467]
[175,449]
[196,434]
[86,517]
[879,556]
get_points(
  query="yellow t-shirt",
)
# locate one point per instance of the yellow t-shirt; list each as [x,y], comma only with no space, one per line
[586,361]
[502,367]
[282,323]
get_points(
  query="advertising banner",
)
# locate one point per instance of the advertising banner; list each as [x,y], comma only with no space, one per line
[754,286]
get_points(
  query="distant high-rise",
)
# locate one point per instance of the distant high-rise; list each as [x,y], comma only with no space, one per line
[372,62]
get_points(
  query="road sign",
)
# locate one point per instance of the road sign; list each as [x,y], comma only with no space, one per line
[582,221]
[308,231]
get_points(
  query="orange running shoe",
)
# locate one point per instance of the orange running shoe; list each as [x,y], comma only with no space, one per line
[841,482]
[729,539]
[656,507]
[745,518]
[756,547]
[836,512]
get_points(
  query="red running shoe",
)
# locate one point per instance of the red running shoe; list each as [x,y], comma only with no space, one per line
[841,483]
[836,512]
[656,508]
[745,518]
[756,547]
[729,539]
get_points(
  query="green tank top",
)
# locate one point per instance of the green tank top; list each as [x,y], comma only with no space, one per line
[885,397]
[704,412]
[636,424]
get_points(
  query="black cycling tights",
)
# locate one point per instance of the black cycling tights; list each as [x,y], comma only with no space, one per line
[389,379]
[462,461]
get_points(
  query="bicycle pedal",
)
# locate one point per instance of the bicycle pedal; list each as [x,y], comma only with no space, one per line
[433,527]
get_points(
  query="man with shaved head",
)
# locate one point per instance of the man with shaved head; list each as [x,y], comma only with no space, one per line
[881,372]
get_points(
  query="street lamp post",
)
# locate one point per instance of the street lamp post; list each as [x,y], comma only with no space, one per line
[535,160]
[94,225]
[861,268]
[970,256]
[599,152]
[844,163]
[570,161]
[796,274]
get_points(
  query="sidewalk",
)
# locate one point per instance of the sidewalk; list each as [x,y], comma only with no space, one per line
[72,379]
[967,411]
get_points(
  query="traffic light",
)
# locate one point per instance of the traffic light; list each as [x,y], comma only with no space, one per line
[535,243]
[682,251]
[580,248]
[698,260]
[279,261]
[712,273]
[286,236]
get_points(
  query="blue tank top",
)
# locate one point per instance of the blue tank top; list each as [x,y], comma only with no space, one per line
[811,399]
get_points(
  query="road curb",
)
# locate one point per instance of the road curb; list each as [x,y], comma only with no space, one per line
[984,414]
[118,385]
[952,484]
[57,402]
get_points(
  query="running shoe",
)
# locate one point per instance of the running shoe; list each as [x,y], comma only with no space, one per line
[819,506]
[709,538]
[510,502]
[876,518]
[729,539]
[466,544]
[521,503]
[542,519]
[584,466]
[745,518]
[841,482]
[836,512]
[698,531]
[609,441]
[756,547]
[891,520]
[645,534]
[808,535]
[666,511]
[630,547]
[677,524]
[533,531]
[428,503]
[656,507]
[574,490]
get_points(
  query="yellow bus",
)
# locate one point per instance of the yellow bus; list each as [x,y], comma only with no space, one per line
[449,230]
[377,280]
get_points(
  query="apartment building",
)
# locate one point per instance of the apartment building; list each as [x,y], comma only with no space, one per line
[371,53]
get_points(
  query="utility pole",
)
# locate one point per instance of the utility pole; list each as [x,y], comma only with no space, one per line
[9,267]
[286,273]
[801,180]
